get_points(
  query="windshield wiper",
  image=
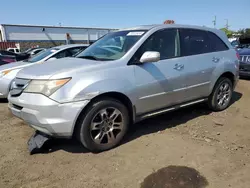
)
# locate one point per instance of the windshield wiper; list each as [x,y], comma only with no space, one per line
[89,57]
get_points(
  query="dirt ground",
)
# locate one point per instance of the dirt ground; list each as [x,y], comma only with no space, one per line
[172,147]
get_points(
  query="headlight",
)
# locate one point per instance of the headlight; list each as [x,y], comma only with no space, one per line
[46,87]
[3,73]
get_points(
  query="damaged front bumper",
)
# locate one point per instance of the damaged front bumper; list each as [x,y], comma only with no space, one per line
[37,141]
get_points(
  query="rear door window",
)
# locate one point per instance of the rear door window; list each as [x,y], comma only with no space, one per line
[194,42]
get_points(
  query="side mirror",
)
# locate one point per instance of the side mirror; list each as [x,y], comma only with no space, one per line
[150,56]
[51,59]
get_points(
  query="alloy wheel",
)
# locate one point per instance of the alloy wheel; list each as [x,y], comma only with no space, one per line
[224,94]
[106,126]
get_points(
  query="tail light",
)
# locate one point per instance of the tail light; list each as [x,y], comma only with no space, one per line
[237,55]
[237,63]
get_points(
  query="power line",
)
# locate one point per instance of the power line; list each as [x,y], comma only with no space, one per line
[227,26]
[214,21]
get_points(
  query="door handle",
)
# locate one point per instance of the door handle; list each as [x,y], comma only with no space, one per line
[216,59]
[178,66]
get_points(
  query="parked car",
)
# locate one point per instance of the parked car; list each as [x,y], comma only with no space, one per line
[125,77]
[9,71]
[6,59]
[18,57]
[244,61]
[34,51]
[15,50]
[235,43]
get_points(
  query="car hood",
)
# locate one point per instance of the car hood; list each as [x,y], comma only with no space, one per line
[15,65]
[59,68]
[244,51]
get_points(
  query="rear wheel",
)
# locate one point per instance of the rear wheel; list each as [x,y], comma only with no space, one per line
[104,125]
[221,96]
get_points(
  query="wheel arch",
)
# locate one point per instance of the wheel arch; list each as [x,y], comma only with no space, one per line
[113,95]
[226,74]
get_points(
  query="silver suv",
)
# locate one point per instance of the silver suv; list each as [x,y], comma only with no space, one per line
[124,77]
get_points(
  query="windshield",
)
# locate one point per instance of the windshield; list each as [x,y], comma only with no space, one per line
[41,55]
[112,46]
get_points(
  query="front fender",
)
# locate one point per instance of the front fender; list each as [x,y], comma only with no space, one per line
[104,86]
[87,85]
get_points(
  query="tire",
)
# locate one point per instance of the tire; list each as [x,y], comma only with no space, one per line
[214,100]
[99,116]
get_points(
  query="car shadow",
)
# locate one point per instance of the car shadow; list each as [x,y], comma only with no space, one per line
[171,119]
[68,145]
[148,126]
[245,78]
[3,101]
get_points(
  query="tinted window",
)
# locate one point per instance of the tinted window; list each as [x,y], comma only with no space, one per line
[216,43]
[37,51]
[11,50]
[17,50]
[194,42]
[75,50]
[62,54]
[165,41]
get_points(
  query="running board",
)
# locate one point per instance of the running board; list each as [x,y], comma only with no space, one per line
[175,107]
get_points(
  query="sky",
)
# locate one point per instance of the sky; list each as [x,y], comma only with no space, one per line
[126,13]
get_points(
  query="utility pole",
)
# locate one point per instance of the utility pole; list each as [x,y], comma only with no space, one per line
[227,26]
[214,21]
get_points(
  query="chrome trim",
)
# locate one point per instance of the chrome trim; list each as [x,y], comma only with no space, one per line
[153,95]
[172,108]
[194,102]
[159,112]
[189,87]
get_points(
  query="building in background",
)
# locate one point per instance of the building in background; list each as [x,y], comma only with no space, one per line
[27,36]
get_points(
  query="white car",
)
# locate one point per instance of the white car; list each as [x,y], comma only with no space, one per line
[8,72]
[15,50]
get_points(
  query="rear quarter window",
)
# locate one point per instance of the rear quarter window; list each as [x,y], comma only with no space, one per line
[216,44]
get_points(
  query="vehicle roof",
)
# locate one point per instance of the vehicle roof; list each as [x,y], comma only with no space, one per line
[70,45]
[148,27]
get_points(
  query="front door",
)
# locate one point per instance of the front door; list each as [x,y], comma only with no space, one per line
[159,84]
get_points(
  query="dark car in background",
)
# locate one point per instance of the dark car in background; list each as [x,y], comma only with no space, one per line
[6,59]
[244,52]
[18,57]
[244,61]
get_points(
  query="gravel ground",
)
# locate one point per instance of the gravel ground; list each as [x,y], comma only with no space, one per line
[193,147]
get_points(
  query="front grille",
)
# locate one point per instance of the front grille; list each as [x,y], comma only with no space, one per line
[245,59]
[17,86]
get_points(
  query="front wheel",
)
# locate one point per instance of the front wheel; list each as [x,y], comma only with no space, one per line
[221,96]
[104,125]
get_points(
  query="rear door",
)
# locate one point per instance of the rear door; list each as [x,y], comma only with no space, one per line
[198,62]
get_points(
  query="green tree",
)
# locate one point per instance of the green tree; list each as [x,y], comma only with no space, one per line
[245,33]
[228,32]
